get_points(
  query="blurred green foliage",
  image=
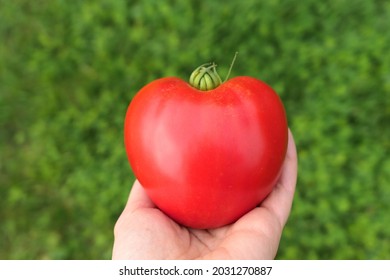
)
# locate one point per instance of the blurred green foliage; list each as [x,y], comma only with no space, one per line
[68,70]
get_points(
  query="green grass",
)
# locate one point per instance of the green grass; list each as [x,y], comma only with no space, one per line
[68,70]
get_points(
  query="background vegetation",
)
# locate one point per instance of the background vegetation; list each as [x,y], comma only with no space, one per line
[68,70]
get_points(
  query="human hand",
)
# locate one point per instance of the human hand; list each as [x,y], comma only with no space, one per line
[144,232]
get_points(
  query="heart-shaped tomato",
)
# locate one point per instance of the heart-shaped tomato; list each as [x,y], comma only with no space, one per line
[206,157]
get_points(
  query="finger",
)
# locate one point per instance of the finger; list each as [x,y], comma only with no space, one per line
[280,200]
[138,198]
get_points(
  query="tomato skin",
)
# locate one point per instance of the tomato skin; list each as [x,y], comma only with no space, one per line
[206,158]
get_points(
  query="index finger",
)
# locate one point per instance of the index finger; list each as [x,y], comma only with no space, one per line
[138,198]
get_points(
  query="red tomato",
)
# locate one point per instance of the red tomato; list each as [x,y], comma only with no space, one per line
[206,158]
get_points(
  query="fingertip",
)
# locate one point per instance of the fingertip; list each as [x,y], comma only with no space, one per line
[138,198]
[290,167]
[291,147]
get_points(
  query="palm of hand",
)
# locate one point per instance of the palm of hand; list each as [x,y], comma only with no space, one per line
[152,234]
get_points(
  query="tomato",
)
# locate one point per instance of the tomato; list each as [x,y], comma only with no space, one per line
[206,157]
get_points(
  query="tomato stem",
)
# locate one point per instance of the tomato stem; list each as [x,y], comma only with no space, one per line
[231,66]
[205,77]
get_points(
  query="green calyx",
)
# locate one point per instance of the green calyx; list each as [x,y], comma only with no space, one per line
[205,77]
